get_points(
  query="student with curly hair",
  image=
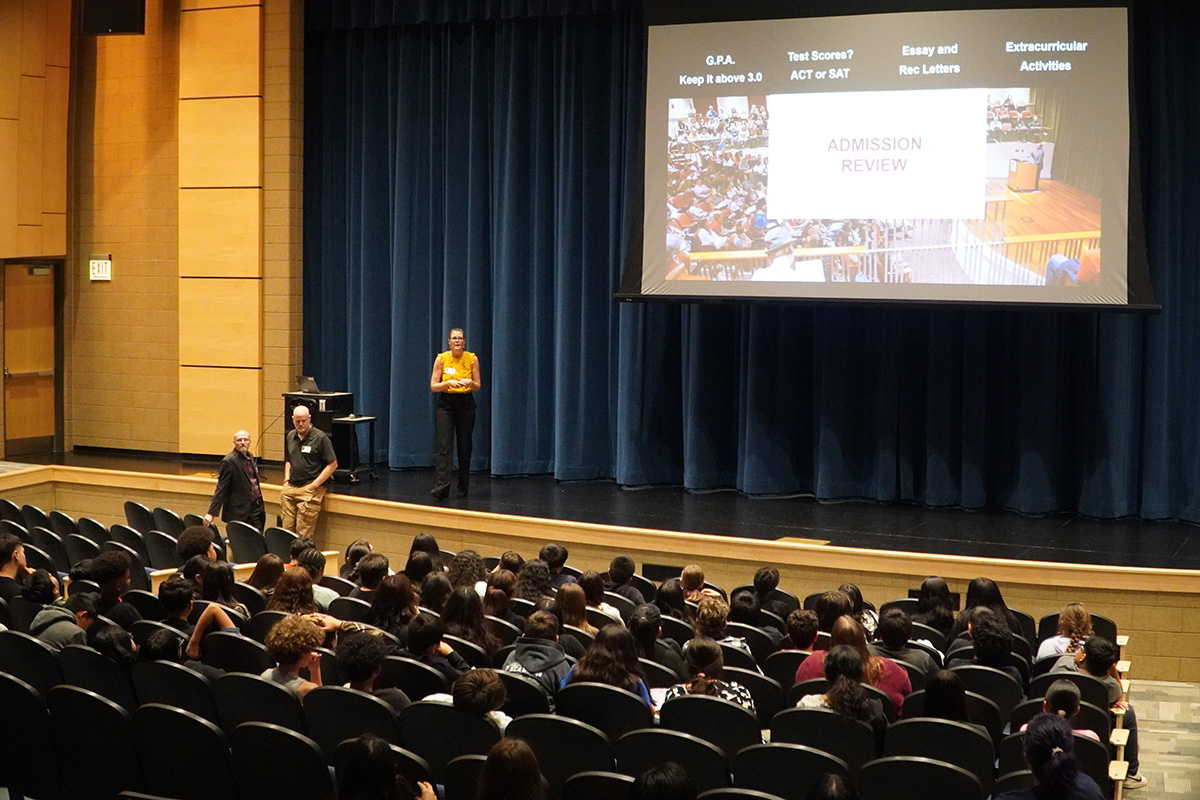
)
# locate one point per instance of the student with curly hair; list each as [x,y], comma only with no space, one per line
[533,581]
[845,695]
[293,643]
[293,593]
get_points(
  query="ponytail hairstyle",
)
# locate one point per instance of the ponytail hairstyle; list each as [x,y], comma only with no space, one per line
[844,671]
[1063,698]
[1076,624]
[704,666]
[1050,754]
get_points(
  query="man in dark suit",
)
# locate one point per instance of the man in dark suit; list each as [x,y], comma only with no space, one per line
[238,492]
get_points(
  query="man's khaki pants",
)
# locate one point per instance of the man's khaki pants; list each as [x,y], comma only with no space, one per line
[299,506]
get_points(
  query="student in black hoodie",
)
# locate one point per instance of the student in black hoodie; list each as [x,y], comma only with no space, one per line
[538,654]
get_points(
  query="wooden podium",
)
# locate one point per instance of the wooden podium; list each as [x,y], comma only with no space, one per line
[1022,175]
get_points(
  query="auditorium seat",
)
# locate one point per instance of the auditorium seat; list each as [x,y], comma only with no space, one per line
[715,720]
[161,733]
[563,747]
[910,778]
[273,761]
[140,518]
[851,740]
[440,733]
[612,710]
[334,713]
[107,763]
[787,770]
[641,749]
[30,758]
[168,522]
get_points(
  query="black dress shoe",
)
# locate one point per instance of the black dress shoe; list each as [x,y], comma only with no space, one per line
[440,494]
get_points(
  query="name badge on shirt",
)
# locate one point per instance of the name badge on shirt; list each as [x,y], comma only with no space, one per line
[306,449]
[450,371]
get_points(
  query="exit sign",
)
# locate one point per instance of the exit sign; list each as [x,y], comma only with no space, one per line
[100,269]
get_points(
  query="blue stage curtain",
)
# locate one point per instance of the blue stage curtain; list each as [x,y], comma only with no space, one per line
[476,164]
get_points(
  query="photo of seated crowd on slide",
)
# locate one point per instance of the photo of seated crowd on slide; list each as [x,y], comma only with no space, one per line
[1031,229]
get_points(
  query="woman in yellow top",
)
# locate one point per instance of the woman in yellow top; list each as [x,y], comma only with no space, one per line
[456,376]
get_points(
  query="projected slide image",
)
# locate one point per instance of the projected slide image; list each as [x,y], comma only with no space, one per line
[930,186]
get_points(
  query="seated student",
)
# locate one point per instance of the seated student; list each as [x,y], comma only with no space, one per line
[362,655]
[467,569]
[592,583]
[293,643]
[298,546]
[692,581]
[176,594]
[293,593]
[1074,626]
[1063,698]
[1049,750]
[555,556]
[13,568]
[743,609]
[114,643]
[425,644]
[313,560]
[192,568]
[801,630]
[993,643]
[216,586]
[1098,658]
[393,606]
[434,591]
[570,645]
[534,581]
[830,607]
[935,607]
[418,566]
[612,659]
[946,698]
[42,587]
[354,553]
[894,632]
[539,656]
[710,624]
[479,693]
[266,573]
[111,571]
[646,627]
[366,771]
[665,781]
[163,645]
[704,667]
[832,786]
[620,580]
[59,626]
[372,569]
[670,601]
[859,609]
[196,541]
[462,614]
[845,695]
[766,581]
[512,772]
[882,673]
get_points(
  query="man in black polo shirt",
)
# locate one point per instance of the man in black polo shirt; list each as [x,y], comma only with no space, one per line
[308,464]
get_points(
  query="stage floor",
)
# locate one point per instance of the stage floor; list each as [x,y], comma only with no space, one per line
[993,534]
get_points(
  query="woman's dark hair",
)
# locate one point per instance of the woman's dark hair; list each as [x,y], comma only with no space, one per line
[113,642]
[704,665]
[984,592]
[466,569]
[217,583]
[425,543]
[266,573]
[844,671]
[671,601]
[612,659]
[366,771]
[592,583]
[1050,753]
[511,773]
[495,603]
[766,580]
[511,560]
[644,625]
[354,551]
[946,697]
[463,615]
[419,565]
[533,581]
[434,591]
[393,606]
[665,781]
[504,580]
[161,645]
[293,593]
[934,606]
[829,607]
[856,598]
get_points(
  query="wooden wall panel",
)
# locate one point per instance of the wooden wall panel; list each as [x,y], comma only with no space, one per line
[220,322]
[30,133]
[58,33]
[213,403]
[220,52]
[54,234]
[54,140]
[33,36]
[8,188]
[220,142]
[220,233]
[11,26]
